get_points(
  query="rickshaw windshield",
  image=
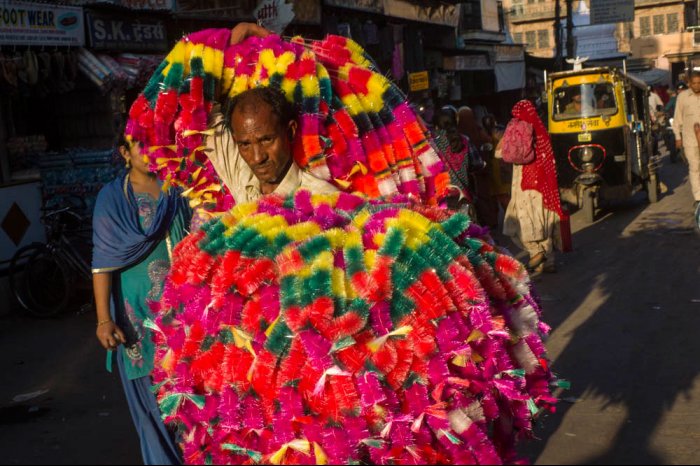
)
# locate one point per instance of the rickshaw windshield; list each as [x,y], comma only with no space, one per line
[584,101]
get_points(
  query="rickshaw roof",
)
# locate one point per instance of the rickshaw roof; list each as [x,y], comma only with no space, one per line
[600,70]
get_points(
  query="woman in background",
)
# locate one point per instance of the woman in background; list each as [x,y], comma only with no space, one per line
[534,217]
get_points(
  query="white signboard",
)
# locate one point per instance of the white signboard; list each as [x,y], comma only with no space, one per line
[612,11]
[274,15]
[41,24]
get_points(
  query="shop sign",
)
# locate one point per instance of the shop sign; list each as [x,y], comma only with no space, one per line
[612,11]
[274,15]
[375,6]
[40,24]
[418,81]
[510,53]
[110,32]
[467,63]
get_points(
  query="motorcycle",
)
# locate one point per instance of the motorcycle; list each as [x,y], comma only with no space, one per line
[664,131]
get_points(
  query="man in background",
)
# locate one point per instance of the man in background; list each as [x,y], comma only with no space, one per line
[686,116]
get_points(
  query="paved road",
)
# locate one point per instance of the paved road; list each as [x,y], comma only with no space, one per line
[625,308]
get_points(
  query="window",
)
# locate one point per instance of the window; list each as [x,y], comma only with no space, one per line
[645,26]
[543,38]
[518,37]
[659,24]
[471,15]
[585,100]
[531,39]
[672,22]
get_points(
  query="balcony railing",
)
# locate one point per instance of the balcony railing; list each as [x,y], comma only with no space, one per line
[656,2]
[540,11]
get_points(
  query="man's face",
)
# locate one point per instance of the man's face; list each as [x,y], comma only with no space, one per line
[262,142]
[576,99]
[695,84]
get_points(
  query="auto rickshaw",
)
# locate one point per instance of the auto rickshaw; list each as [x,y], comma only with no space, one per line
[600,126]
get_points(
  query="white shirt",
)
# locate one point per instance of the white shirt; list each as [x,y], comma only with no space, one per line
[240,179]
[654,102]
[686,115]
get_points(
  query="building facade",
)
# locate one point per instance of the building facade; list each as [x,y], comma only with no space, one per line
[661,35]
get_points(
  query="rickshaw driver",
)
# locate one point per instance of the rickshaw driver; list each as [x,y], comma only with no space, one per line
[577,106]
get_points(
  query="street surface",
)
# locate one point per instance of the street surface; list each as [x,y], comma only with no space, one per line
[625,312]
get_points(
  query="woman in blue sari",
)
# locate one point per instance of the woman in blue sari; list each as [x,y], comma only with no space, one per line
[136,224]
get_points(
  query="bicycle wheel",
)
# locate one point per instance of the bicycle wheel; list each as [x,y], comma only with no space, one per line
[47,284]
[16,271]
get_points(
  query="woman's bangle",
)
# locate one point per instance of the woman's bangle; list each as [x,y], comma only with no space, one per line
[103,322]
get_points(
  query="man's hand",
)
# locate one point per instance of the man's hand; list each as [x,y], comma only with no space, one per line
[110,335]
[679,144]
[244,30]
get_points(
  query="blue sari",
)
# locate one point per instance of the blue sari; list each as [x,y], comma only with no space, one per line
[133,236]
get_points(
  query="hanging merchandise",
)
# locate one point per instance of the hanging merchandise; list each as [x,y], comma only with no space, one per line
[371,327]
[336,330]
[123,71]
[357,129]
[370,33]
[345,30]
[94,69]
[22,152]
[76,172]
[397,62]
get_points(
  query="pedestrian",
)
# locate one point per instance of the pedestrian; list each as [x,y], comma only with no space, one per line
[687,114]
[251,148]
[501,174]
[459,157]
[136,225]
[469,126]
[534,218]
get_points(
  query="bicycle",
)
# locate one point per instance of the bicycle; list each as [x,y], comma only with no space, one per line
[43,276]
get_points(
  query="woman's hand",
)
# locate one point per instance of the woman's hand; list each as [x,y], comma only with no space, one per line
[244,30]
[110,335]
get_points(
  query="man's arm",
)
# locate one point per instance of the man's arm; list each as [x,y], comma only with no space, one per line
[244,30]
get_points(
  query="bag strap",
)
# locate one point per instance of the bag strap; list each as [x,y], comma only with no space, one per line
[465,185]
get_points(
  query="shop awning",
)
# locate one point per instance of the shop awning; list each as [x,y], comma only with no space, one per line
[510,76]
[510,67]
[654,76]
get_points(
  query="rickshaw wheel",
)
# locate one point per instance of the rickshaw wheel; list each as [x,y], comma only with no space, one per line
[652,186]
[588,206]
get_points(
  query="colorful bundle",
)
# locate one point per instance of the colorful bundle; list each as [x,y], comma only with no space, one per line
[336,329]
[356,127]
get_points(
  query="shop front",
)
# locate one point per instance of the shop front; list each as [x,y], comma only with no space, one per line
[67,74]
[38,64]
